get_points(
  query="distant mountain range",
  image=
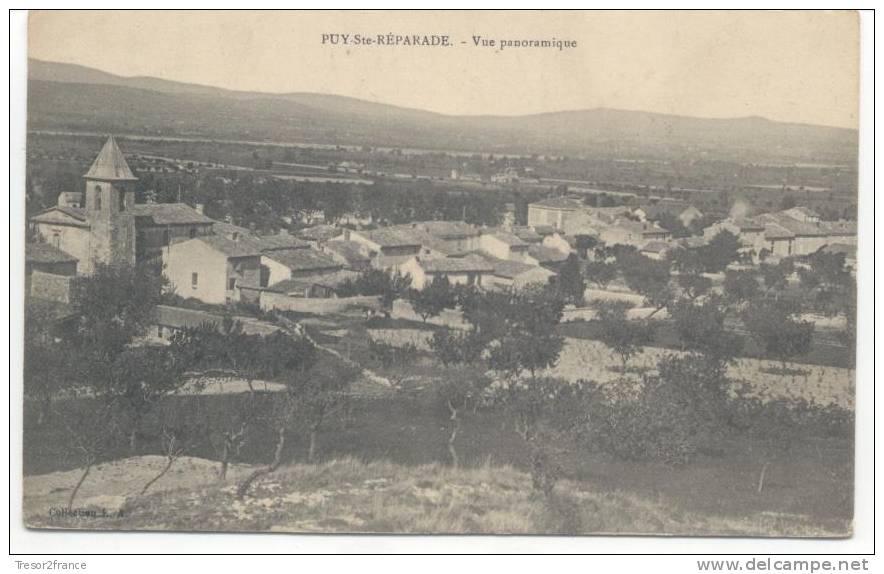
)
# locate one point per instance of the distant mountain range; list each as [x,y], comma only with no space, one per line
[78,98]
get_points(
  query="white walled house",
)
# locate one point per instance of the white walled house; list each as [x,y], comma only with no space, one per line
[503,245]
[209,268]
[468,270]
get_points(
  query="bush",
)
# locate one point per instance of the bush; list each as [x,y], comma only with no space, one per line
[390,355]
[648,423]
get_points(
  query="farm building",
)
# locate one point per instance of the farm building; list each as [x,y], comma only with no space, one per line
[469,270]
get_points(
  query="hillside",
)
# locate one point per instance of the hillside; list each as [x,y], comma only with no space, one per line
[69,97]
[349,495]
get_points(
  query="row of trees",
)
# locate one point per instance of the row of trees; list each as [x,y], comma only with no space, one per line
[112,384]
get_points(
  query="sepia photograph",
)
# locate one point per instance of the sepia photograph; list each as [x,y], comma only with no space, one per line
[566,273]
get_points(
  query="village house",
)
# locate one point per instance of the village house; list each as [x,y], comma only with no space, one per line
[348,253]
[684,212]
[48,272]
[503,245]
[636,233]
[796,231]
[506,274]
[468,270]
[168,320]
[554,211]
[283,264]
[321,286]
[387,248]
[461,237]
[544,256]
[209,268]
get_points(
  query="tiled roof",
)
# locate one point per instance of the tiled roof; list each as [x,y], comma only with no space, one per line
[839,227]
[527,234]
[774,231]
[302,259]
[466,264]
[545,254]
[74,212]
[170,214]
[544,229]
[242,247]
[182,317]
[509,238]
[567,203]
[110,165]
[349,251]
[448,229]
[511,269]
[797,228]
[392,237]
[301,284]
[46,253]
[319,232]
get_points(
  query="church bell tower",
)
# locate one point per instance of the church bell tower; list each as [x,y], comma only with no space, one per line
[108,206]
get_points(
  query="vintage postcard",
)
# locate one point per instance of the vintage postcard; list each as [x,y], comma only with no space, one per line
[442,272]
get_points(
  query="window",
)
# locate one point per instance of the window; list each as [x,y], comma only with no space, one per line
[166,237]
[265,276]
[97,198]
[56,239]
[122,197]
[192,232]
[160,331]
[194,280]
[231,284]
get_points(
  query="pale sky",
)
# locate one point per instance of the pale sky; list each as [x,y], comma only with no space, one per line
[788,66]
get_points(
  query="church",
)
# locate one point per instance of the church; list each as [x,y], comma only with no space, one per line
[103,225]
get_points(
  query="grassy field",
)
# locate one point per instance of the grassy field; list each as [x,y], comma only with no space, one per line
[591,360]
[351,495]
[401,437]
[812,480]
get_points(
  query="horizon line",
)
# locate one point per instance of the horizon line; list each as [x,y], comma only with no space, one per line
[424,110]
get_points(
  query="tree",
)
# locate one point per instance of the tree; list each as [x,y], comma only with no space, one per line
[461,389]
[777,331]
[693,285]
[114,305]
[647,277]
[48,359]
[622,335]
[721,251]
[775,276]
[319,393]
[741,287]
[585,243]
[569,281]
[452,347]
[701,328]
[826,276]
[522,332]
[92,431]
[377,282]
[299,358]
[433,298]
[546,413]
[600,272]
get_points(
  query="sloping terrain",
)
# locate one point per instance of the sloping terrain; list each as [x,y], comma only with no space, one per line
[349,495]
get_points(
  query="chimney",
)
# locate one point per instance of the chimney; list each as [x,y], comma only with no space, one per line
[199,207]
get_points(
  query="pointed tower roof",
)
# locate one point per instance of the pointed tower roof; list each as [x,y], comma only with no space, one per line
[110,165]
